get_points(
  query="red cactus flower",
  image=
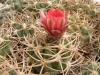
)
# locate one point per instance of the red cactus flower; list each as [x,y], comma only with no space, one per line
[54,22]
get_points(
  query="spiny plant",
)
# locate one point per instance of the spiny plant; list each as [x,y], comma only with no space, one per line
[29,47]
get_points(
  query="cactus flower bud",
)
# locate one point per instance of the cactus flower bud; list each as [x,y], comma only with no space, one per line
[54,22]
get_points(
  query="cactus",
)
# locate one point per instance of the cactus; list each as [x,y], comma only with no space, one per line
[28,46]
